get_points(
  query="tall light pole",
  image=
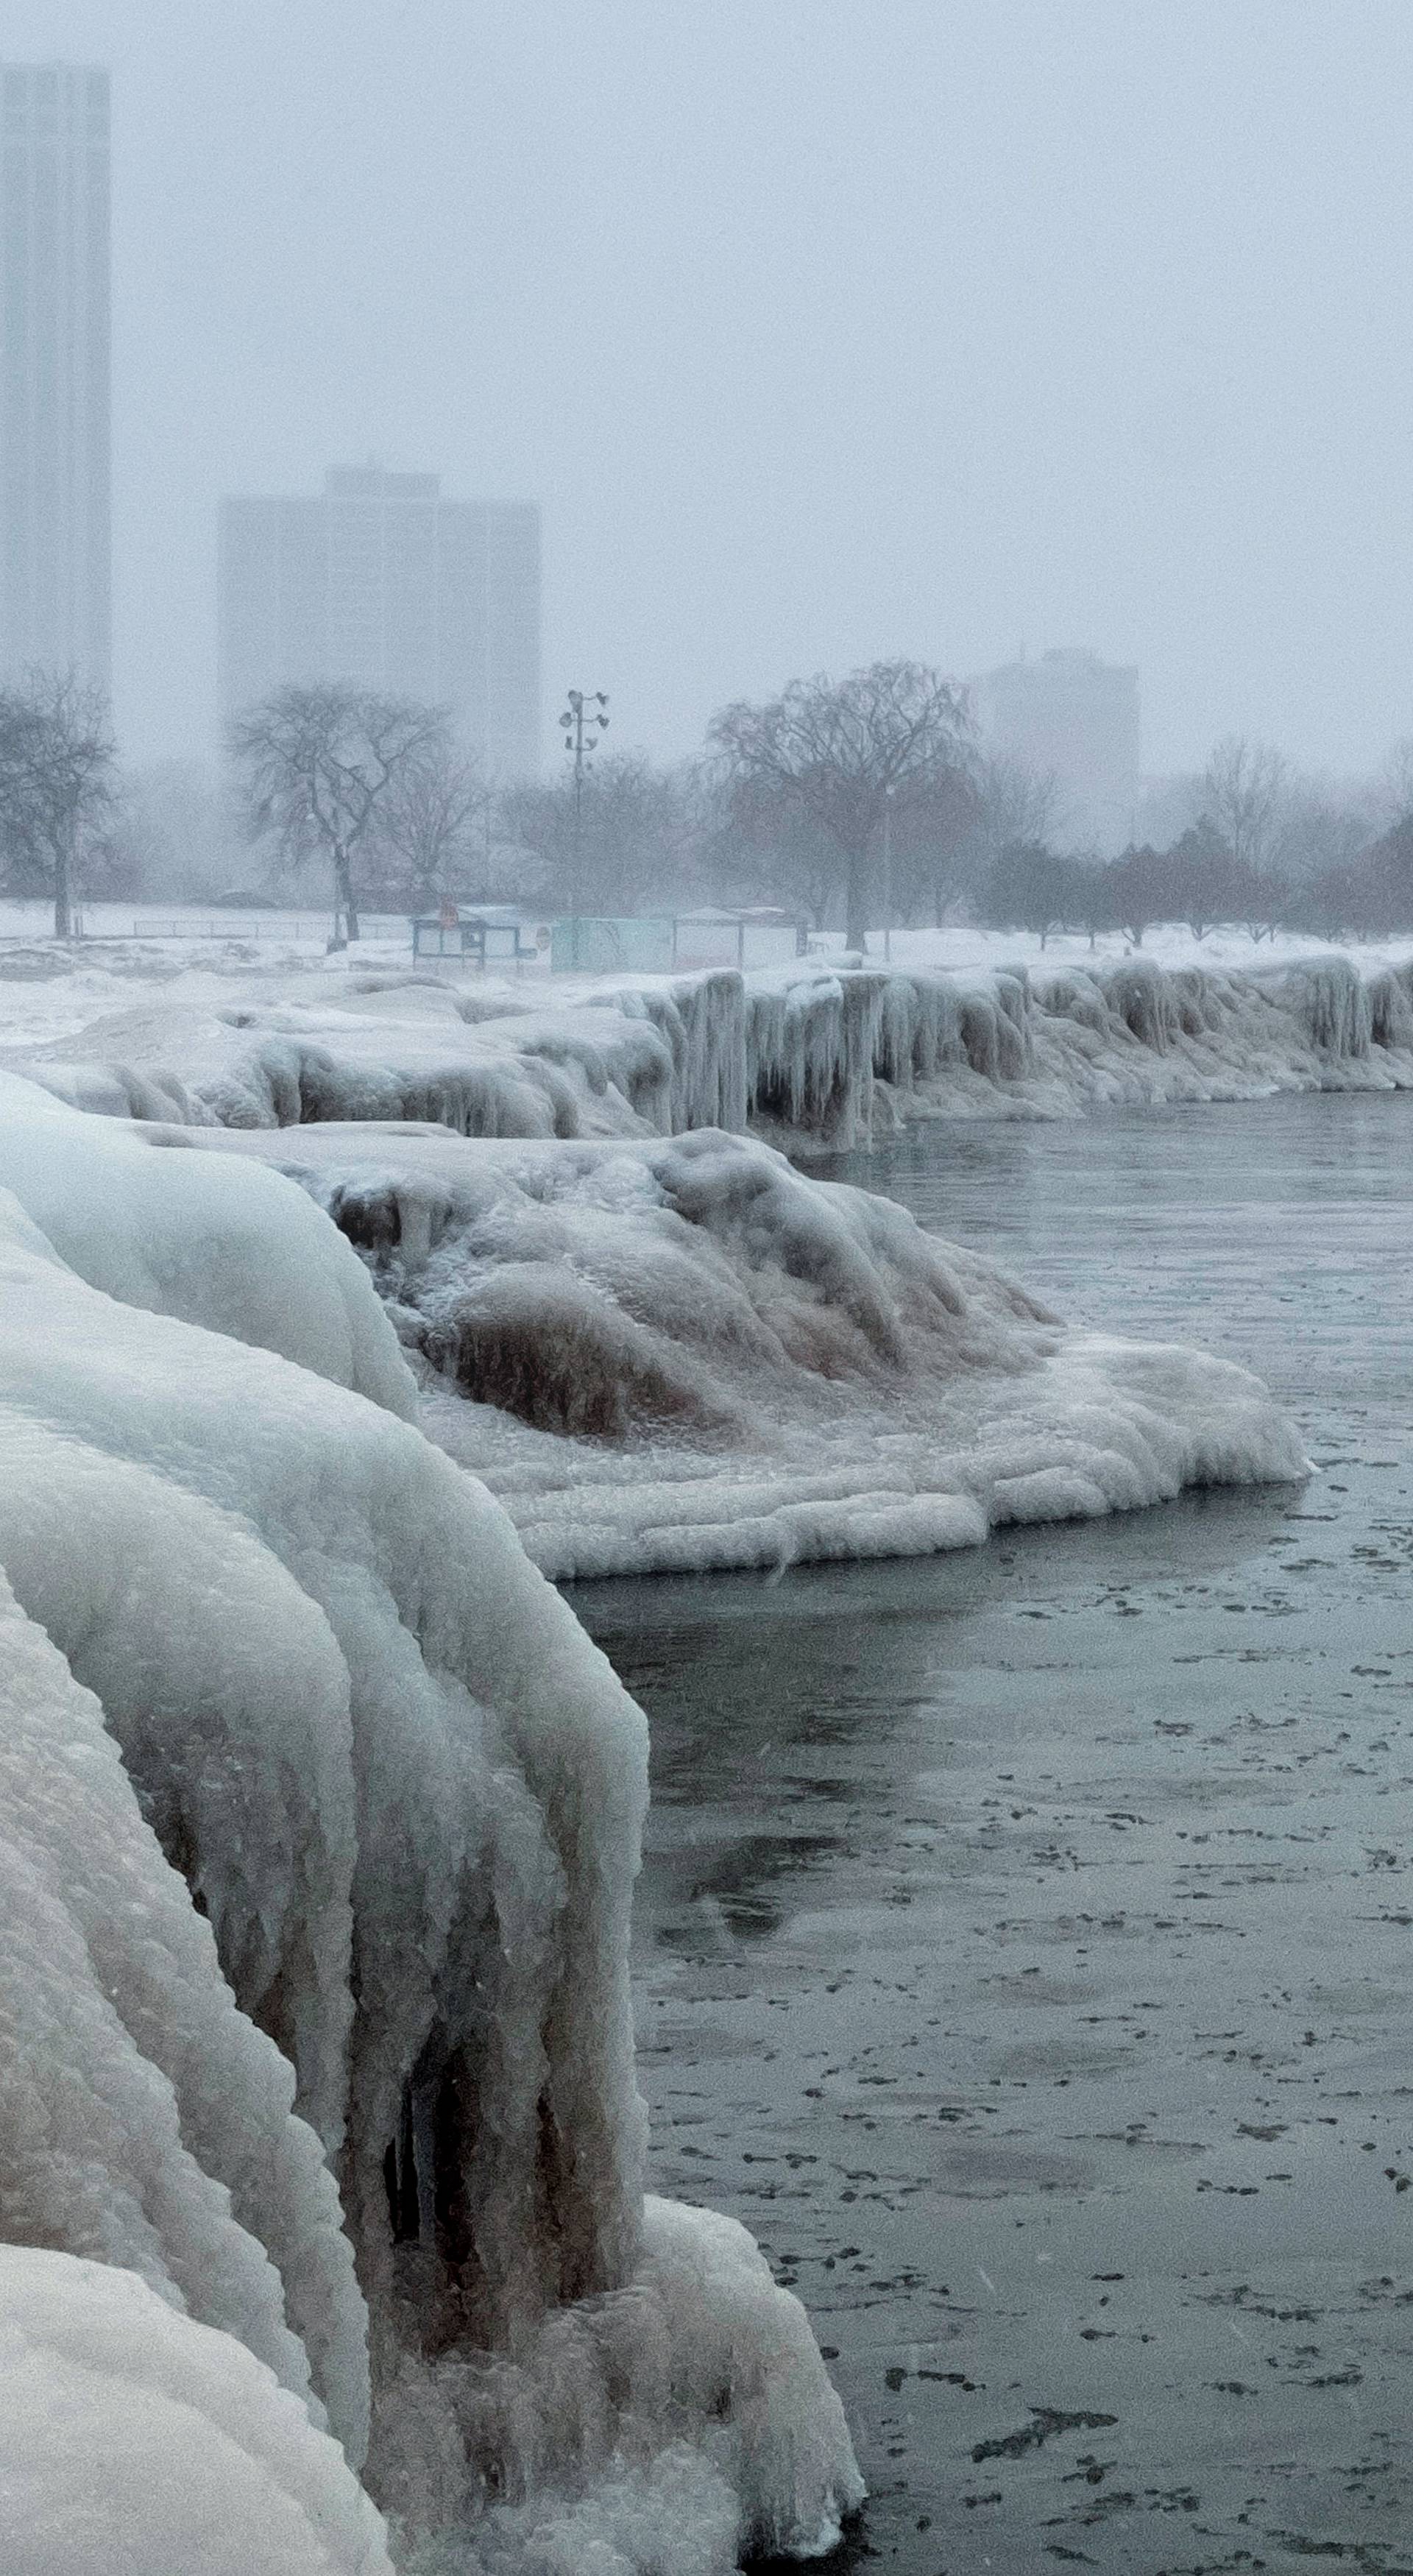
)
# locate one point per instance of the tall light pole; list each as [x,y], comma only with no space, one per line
[581,737]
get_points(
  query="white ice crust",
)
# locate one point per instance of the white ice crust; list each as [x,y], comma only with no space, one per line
[136,2442]
[319,1823]
[681,1355]
[810,1052]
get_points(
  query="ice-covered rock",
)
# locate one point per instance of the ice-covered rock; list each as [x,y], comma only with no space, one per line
[818,1053]
[316,1855]
[681,1354]
[135,2442]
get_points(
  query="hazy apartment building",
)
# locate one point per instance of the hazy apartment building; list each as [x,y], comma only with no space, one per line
[1072,716]
[55,580]
[383,581]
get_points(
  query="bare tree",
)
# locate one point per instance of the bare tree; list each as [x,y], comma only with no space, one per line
[316,763]
[937,844]
[839,755]
[774,856]
[1326,827]
[1391,796]
[168,836]
[1015,806]
[1138,887]
[56,783]
[431,826]
[629,843]
[1245,799]
[1030,888]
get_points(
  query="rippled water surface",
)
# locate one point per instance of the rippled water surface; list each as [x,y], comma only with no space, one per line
[1024,1939]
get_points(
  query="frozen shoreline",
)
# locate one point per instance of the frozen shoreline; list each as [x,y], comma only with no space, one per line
[366,2124]
[816,1058]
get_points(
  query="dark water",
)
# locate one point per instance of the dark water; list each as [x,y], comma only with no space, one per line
[1024,1939]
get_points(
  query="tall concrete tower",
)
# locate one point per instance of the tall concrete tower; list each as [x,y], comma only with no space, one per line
[55,507]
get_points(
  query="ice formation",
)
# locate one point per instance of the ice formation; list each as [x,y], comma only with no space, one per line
[321,1813]
[320,1825]
[809,1053]
[136,2442]
[680,1354]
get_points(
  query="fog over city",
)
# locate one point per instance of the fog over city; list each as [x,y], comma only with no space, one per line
[822,333]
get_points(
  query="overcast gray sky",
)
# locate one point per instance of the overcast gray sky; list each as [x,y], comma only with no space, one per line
[823,330]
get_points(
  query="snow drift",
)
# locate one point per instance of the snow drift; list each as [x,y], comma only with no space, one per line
[681,1354]
[808,1054]
[320,1822]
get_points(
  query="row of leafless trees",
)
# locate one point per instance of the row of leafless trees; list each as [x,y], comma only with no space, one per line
[848,801]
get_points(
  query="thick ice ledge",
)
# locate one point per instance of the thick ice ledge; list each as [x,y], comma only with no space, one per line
[812,1054]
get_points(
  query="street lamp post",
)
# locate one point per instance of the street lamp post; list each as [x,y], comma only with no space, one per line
[581,737]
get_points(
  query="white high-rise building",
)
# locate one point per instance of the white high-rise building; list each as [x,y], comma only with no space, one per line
[382,581]
[55,509]
[1070,717]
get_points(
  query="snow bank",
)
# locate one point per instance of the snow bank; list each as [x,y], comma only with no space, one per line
[811,1055]
[681,1354]
[370,2110]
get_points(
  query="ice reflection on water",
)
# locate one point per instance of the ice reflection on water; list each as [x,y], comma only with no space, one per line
[1023,1940]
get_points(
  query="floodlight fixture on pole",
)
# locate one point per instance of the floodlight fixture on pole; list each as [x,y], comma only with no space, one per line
[582,735]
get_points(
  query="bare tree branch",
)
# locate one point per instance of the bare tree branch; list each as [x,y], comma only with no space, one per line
[316,762]
[837,756]
[56,782]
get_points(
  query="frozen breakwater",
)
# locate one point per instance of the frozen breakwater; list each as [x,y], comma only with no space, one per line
[814,1057]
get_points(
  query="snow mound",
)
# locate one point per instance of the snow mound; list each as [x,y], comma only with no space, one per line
[680,1354]
[320,1823]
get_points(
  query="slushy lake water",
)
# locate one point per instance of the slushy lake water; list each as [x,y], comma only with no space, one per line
[1024,1940]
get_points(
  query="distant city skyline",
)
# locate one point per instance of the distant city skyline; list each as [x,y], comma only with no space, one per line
[822,333]
[383,580]
[55,435]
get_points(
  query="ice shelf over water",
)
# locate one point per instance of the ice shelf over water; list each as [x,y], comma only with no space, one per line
[319,1823]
